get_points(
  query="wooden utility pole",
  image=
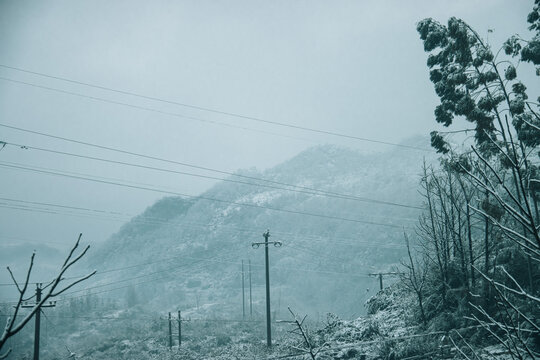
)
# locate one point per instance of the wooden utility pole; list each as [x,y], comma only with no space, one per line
[250,301]
[243,294]
[179,328]
[255,245]
[380,276]
[179,320]
[170,332]
[38,318]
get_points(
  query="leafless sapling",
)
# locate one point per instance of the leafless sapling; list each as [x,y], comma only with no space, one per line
[415,278]
[53,289]
[300,329]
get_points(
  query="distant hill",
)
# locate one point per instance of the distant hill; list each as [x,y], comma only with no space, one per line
[17,256]
[192,247]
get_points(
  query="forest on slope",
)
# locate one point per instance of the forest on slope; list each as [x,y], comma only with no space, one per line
[318,252]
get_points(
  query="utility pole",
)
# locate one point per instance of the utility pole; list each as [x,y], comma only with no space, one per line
[170,332]
[179,328]
[38,318]
[250,301]
[180,321]
[380,276]
[255,245]
[243,294]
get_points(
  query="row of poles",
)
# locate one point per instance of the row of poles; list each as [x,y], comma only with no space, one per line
[266,243]
[179,321]
[255,245]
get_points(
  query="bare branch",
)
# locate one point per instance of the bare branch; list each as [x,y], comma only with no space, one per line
[521,292]
[458,349]
[466,343]
[4,356]
[13,278]
[512,232]
[74,283]
[303,333]
[12,329]
[500,180]
[72,250]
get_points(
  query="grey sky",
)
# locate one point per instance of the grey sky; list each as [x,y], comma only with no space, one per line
[354,67]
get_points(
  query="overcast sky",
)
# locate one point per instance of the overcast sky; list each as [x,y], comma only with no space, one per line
[353,67]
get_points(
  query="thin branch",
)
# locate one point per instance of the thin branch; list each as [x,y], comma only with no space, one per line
[4,356]
[502,183]
[521,292]
[512,232]
[12,329]
[74,283]
[458,349]
[466,343]
[13,278]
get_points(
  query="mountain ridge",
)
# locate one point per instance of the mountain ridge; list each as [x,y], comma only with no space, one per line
[214,236]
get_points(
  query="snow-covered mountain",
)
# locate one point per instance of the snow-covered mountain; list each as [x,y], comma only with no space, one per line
[192,248]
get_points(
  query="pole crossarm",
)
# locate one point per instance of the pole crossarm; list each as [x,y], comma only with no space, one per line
[380,276]
[45,305]
[256,245]
[385,273]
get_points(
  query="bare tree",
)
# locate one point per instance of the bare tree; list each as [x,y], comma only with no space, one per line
[309,347]
[12,327]
[415,279]
[472,82]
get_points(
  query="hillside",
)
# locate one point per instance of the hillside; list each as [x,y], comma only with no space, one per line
[192,247]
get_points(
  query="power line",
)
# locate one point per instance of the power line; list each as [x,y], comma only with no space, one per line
[292,237]
[142,264]
[318,191]
[215,111]
[168,269]
[91,317]
[83,215]
[135,284]
[63,206]
[106,271]
[335,240]
[299,248]
[137,219]
[30,208]
[187,225]
[198,263]
[138,318]
[66,213]
[200,197]
[29,240]
[144,219]
[139,107]
[313,253]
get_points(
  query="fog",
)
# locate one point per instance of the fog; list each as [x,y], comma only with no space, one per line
[355,68]
[323,95]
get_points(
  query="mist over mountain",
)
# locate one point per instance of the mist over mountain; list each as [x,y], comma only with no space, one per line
[17,257]
[188,251]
